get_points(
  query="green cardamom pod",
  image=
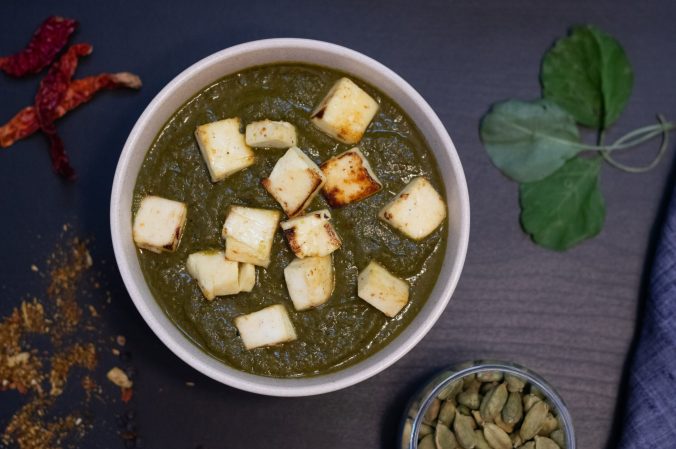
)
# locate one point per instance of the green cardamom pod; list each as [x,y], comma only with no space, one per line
[496,437]
[512,412]
[489,376]
[463,426]
[545,443]
[487,386]
[464,410]
[468,380]
[559,437]
[469,399]
[550,425]
[534,420]
[503,425]
[529,445]
[432,411]
[529,400]
[534,390]
[444,438]
[493,402]
[477,417]
[473,386]
[406,433]
[514,384]
[484,400]
[424,430]
[450,391]
[427,443]
[516,439]
[447,413]
[481,442]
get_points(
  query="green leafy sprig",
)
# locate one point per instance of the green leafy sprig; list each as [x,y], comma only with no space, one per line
[586,80]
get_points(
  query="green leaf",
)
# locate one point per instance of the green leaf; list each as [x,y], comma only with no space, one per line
[589,75]
[529,141]
[566,207]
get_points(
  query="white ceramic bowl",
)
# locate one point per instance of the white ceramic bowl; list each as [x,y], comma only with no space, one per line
[232,60]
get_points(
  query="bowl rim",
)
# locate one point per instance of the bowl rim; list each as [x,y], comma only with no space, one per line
[184,347]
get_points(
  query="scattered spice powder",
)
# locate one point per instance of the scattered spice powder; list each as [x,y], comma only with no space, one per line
[28,374]
[63,287]
[30,428]
[78,355]
[42,368]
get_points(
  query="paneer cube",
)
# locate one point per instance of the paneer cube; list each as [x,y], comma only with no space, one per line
[349,178]
[416,211]
[270,134]
[267,327]
[310,281]
[158,224]
[345,112]
[215,275]
[247,277]
[223,148]
[382,289]
[294,181]
[311,235]
[248,234]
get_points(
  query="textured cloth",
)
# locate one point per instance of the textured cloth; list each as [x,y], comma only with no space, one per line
[650,418]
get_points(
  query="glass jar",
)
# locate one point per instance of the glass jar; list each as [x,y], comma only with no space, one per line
[419,404]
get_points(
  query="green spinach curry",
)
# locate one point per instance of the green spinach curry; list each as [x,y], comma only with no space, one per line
[346,329]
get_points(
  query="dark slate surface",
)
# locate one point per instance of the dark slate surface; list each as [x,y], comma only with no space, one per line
[570,316]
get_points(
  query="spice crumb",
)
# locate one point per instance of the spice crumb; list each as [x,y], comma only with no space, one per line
[121,340]
[34,268]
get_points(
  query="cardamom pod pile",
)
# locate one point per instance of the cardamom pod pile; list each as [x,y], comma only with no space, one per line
[491,410]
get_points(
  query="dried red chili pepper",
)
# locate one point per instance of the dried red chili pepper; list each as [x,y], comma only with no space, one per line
[79,91]
[57,152]
[82,90]
[21,125]
[127,394]
[46,42]
[54,85]
[52,90]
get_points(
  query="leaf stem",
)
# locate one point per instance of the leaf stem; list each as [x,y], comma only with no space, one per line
[633,138]
[644,130]
[660,154]
[628,142]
